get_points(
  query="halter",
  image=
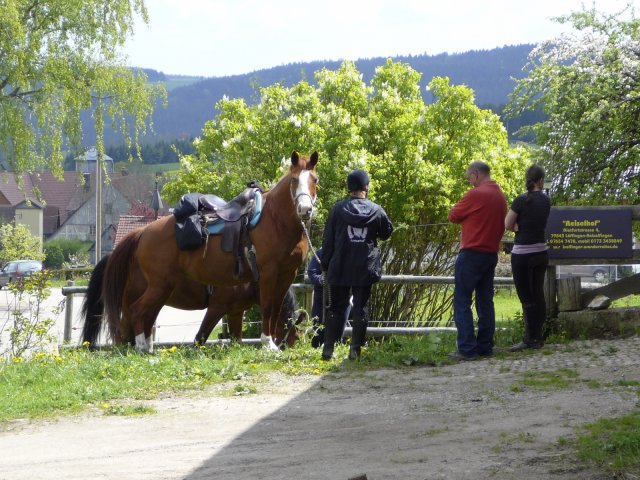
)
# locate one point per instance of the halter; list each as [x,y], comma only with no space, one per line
[291,326]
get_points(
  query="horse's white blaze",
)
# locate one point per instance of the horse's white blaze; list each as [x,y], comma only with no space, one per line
[304,200]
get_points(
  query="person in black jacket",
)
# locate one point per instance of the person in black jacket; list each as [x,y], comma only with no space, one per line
[351,259]
[314,272]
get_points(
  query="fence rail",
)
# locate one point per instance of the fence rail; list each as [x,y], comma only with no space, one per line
[70,290]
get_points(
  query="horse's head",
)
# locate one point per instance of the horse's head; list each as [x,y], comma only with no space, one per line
[303,183]
[290,318]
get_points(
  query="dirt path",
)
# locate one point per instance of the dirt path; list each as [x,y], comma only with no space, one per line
[473,420]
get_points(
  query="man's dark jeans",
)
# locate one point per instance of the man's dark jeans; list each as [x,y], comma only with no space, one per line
[474,272]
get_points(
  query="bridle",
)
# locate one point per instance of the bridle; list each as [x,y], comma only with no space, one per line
[291,326]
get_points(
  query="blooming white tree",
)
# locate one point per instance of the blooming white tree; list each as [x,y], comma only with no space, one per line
[588,83]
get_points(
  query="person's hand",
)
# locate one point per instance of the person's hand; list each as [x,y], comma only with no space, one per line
[322,279]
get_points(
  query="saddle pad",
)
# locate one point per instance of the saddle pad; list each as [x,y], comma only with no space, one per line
[215,228]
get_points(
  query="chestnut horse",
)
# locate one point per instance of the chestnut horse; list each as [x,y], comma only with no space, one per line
[280,248]
[190,295]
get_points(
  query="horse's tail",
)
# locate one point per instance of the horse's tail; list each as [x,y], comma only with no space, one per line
[115,279]
[92,306]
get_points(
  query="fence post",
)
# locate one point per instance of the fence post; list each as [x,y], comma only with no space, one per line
[68,314]
[568,290]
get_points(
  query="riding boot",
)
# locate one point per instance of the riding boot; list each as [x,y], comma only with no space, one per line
[535,328]
[526,339]
[330,335]
[359,332]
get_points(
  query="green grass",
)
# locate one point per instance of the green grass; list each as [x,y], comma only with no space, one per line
[628,301]
[507,304]
[547,380]
[49,385]
[613,445]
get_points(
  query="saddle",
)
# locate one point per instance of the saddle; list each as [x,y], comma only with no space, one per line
[198,216]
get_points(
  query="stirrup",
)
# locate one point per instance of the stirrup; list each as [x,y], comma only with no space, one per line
[250,257]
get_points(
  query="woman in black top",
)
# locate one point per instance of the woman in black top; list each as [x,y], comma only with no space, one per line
[527,217]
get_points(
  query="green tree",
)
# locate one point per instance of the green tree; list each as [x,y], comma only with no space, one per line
[64,250]
[416,153]
[57,59]
[54,257]
[588,83]
[17,243]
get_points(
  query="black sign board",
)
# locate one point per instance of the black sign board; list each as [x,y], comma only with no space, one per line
[589,233]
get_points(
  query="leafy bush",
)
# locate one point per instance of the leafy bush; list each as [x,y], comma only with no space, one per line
[28,330]
[416,154]
[70,249]
[54,257]
[17,243]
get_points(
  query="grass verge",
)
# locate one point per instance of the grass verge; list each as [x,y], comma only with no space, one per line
[74,379]
[613,445]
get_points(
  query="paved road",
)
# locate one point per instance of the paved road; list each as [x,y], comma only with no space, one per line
[173,325]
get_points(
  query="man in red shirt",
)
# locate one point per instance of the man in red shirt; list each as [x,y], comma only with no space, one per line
[481,213]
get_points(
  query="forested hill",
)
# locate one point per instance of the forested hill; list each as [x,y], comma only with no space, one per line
[489,73]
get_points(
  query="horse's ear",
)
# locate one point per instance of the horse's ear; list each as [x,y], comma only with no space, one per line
[314,159]
[295,156]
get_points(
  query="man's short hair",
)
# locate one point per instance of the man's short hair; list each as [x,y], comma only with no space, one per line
[479,167]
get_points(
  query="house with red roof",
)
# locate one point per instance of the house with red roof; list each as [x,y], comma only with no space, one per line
[69,204]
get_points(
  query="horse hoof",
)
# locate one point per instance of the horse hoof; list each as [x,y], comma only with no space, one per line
[267,342]
[141,344]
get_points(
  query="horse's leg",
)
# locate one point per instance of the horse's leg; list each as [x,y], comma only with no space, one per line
[267,291]
[284,282]
[211,318]
[272,292]
[148,329]
[144,311]
[234,322]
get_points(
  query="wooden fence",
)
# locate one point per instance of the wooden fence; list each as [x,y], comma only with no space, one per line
[551,287]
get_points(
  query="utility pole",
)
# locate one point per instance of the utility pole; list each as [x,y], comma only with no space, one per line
[99,206]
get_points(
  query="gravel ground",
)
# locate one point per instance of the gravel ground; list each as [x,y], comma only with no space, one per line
[473,420]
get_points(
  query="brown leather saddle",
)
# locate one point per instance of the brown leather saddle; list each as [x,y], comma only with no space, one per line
[231,220]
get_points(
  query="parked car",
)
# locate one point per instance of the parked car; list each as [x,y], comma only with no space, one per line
[17,269]
[600,273]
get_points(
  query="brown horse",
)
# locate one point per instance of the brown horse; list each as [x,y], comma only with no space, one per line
[280,247]
[190,295]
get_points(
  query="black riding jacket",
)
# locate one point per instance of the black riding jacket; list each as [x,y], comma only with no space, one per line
[350,246]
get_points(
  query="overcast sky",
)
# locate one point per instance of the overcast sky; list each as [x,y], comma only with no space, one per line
[227,37]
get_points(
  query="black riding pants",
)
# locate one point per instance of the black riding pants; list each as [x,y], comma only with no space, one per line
[359,314]
[528,276]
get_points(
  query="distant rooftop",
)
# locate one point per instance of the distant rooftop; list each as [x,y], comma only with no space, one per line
[86,163]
